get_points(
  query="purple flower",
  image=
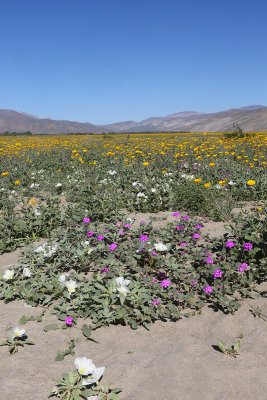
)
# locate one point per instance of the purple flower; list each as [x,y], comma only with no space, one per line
[229,244]
[101,237]
[86,220]
[90,233]
[208,289]
[180,227]
[243,267]
[209,260]
[185,217]
[198,226]
[247,246]
[217,273]
[176,214]
[113,246]
[143,238]
[162,274]
[106,231]
[196,236]
[183,244]
[165,283]
[194,282]
[154,253]
[154,280]
[143,222]
[128,226]
[155,302]
[68,321]
[121,233]
[103,271]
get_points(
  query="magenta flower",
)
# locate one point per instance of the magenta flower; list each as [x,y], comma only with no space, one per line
[118,224]
[243,267]
[121,233]
[143,222]
[113,246]
[100,237]
[180,227]
[198,226]
[90,233]
[155,302]
[185,217]
[68,321]
[196,236]
[86,220]
[209,260]
[154,280]
[176,214]
[154,253]
[143,238]
[128,226]
[217,273]
[194,282]
[103,271]
[247,246]
[165,283]
[229,244]
[183,244]
[208,289]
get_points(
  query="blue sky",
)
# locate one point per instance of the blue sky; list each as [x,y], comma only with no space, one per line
[104,61]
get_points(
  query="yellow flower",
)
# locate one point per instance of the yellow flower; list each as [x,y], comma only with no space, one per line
[197,180]
[259,208]
[146,163]
[207,185]
[164,172]
[251,182]
[17,182]
[5,173]
[211,164]
[59,170]
[222,183]
[32,201]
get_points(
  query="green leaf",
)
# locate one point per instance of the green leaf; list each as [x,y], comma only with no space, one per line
[50,327]
[221,346]
[86,330]
[59,357]
[237,346]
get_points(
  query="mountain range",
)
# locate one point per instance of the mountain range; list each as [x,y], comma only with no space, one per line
[249,118]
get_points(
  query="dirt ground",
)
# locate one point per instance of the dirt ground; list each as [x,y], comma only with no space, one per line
[173,361]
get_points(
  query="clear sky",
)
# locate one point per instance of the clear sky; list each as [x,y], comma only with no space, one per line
[105,61]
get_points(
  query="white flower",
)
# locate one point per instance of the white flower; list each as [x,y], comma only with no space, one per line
[62,278]
[160,247]
[86,242]
[96,375]
[135,183]
[8,274]
[130,220]
[58,185]
[17,332]
[34,185]
[84,365]
[71,286]
[46,250]
[231,183]
[123,290]
[122,282]
[218,186]
[93,398]
[110,172]
[37,212]
[140,194]
[90,250]
[153,190]
[27,272]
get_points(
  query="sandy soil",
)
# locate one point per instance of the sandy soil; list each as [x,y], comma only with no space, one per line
[173,361]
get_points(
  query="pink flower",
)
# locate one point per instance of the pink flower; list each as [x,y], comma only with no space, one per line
[180,227]
[217,273]
[208,289]
[86,220]
[127,226]
[68,321]
[118,224]
[247,246]
[185,217]
[154,280]
[196,236]
[113,246]
[243,267]
[101,237]
[165,283]
[229,244]
[103,271]
[209,260]
[198,226]
[143,222]
[183,244]
[155,302]
[176,214]
[90,233]
[154,253]
[143,238]
[194,282]
[121,233]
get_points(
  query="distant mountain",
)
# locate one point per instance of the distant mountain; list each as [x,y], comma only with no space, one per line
[249,118]
[14,121]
